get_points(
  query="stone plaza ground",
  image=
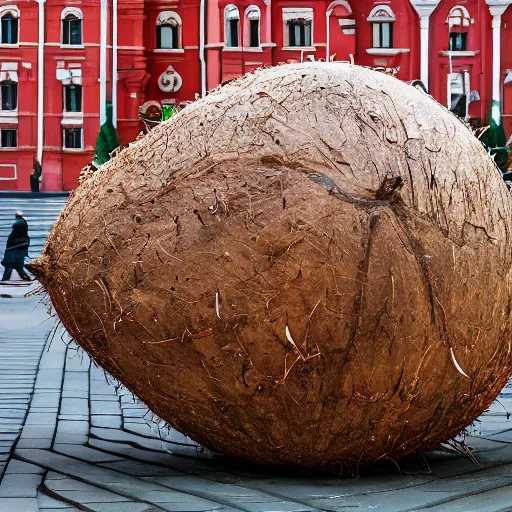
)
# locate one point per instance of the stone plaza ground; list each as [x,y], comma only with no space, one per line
[73,439]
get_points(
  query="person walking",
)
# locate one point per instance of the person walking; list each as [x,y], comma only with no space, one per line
[16,249]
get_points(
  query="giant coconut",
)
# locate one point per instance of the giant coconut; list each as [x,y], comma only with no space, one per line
[309,267]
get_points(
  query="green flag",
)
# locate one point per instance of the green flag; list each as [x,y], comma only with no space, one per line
[107,140]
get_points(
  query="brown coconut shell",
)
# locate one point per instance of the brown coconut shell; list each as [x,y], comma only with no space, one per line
[309,267]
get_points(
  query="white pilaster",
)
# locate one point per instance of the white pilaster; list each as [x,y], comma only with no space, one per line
[424,8]
[40,81]
[103,61]
[424,49]
[114,61]
[497,8]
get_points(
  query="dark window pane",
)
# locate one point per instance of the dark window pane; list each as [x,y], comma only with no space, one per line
[458,41]
[299,33]
[382,35]
[76,32]
[233,33]
[386,35]
[73,98]
[167,37]
[73,138]
[9,138]
[71,30]
[255,29]
[9,96]
[307,34]
[9,29]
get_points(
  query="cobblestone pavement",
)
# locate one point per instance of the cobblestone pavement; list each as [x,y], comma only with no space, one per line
[71,440]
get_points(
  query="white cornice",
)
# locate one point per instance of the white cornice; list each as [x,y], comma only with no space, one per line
[425,7]
[498,7]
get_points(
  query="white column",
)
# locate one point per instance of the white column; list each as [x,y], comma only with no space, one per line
[424,49]
[268,26]
[496,57]
[497,8]
[103,61]
[328,34]
[425,8]
[114,63]
[40,82]
[202,36]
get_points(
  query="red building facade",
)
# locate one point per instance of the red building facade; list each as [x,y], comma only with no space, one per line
[62,62]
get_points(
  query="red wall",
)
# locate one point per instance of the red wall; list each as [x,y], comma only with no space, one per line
[140,65]
[478,66]
[26,57]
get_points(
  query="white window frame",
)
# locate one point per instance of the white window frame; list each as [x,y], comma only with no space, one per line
[13,9]
[78,13]
[252,13]
[298,13]
[81,128]
[14,168]
[376,18]
[227,27]
[167,18]
[464,20]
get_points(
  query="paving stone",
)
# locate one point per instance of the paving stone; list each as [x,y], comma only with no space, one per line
[45,400]
[106,421]
[124,507]
[48,378]
[140,469]
[46,503]
[76,381]
[74,393]
[73,417]
[107,408]
[71,439]
[18,467]
[73,427]
[36,418]
[103,398]
[12,413]
[183,464]
[67,509]
[78,362]
[19,505]
[74,406]
[85,453]
[38,432]
[20,486]
[44,443]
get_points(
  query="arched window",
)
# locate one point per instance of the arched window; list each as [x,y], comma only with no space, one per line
[382,19]
[10,25]
[168,31]
[253,15]
[458,24]
[71,26]
[232,30]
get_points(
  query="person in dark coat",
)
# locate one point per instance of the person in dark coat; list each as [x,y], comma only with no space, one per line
[16,249]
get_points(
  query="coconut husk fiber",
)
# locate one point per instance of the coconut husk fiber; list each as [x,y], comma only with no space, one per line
[310,267]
